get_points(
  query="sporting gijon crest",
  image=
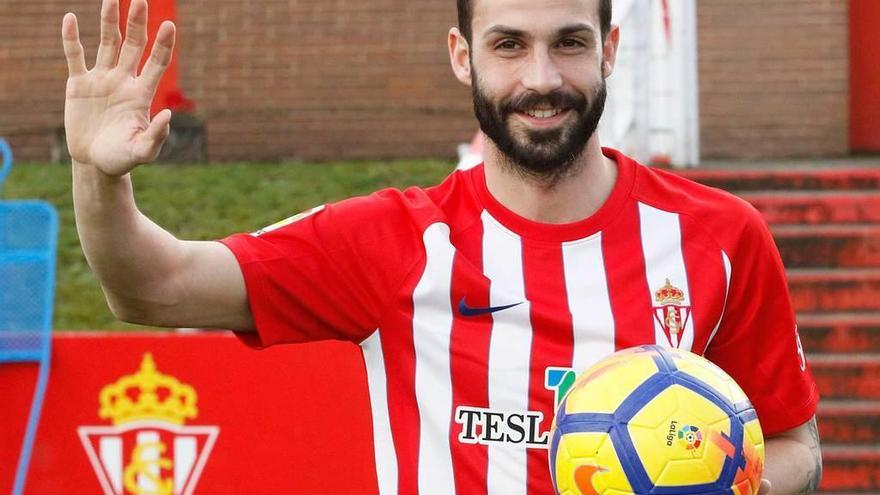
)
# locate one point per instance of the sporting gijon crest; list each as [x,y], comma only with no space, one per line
[148,450]
[671,313]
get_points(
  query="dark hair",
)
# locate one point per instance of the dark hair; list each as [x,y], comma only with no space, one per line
[465,11]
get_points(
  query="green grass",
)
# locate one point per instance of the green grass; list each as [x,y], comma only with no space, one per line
[202,202]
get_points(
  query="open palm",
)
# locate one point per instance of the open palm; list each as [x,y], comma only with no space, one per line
[106,112]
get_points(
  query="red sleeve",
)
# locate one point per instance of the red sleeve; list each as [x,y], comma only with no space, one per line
[757,342]
[328,274]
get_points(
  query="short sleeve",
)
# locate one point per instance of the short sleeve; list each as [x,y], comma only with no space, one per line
[757,342]
[326,274]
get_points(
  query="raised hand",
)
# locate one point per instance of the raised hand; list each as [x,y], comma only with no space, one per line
[106,111]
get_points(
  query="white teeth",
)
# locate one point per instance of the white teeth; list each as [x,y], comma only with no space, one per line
[543,114]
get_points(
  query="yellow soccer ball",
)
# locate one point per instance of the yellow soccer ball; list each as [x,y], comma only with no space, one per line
[651,420]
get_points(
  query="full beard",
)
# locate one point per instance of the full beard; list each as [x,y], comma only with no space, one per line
[545,155]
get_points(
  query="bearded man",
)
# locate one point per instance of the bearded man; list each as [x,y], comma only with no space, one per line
[463,297]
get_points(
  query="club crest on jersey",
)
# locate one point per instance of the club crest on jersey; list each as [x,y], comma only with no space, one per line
[671,313]
[148,450]
[287,221]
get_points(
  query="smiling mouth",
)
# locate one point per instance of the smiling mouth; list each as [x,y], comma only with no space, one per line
[544,114]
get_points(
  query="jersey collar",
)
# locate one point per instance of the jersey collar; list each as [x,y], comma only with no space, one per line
[626,173]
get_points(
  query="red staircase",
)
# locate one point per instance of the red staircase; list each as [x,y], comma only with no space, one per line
[826,223]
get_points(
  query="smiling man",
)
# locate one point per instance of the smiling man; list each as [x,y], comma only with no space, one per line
[472,300]
[541,132]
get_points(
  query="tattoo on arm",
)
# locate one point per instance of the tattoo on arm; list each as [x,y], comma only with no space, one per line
[815,473]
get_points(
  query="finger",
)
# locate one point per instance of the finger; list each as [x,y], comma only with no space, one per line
[73,49]
[765,487]
[160,57]
[135,37]
[150,142]
[108,50]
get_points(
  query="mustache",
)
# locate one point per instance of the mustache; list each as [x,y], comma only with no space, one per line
[556,99]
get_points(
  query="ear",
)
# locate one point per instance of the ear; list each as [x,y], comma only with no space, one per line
[609,51]
[459,56]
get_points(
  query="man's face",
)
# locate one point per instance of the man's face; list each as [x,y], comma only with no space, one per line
[537,81]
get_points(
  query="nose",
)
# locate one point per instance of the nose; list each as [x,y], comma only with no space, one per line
[542,76]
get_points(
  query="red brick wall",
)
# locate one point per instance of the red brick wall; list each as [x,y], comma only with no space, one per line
[322,79]
[774,78]
[32,74]
[274,79]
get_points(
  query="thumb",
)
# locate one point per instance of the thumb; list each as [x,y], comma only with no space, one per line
[149,143]
[765,487]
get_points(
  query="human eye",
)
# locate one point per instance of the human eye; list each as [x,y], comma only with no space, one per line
[507,45]
[571,44]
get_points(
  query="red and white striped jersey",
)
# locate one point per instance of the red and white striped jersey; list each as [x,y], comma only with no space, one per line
[473,320]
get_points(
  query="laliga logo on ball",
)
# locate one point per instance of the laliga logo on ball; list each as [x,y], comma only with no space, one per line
[690,437]
[148,450]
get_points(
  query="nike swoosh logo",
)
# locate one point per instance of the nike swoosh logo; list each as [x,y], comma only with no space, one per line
[466,310]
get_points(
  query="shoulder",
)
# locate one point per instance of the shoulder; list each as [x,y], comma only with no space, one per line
[726,218]
[392,215]
[416,206]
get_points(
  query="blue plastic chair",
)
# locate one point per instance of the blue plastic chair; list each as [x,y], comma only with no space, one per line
[28,241]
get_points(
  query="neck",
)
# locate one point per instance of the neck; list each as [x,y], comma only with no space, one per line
[575,197]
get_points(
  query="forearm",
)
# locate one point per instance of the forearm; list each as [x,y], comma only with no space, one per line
[794,465]
[132,257]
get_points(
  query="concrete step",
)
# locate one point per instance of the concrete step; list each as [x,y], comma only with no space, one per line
[816,207]
[846,376]
[840,332]
[815,290]
[758,179]
[828,246]
[850,469]
[850,422]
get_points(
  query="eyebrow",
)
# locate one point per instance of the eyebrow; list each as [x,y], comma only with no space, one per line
[519,33]
[505,30]
[576,28]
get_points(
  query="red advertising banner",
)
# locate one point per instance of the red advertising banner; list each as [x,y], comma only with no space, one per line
[190,413]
